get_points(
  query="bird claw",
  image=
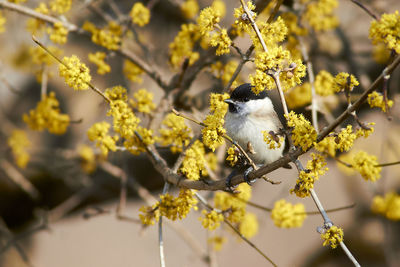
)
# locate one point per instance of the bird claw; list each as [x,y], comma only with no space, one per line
[246,176]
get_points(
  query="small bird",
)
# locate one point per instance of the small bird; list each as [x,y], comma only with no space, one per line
[249,114]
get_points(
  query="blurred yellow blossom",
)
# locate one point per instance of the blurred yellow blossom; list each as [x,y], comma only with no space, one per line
[287,215]
[387,31]
[58,34]
[248,227]
[217,241]
[143,101]
[387,205]
[366,165]
[60,6]
[47,115]
[299,96]
[324,83]
[75,73]
[18,142]
[98,133]
[212,219]
[36,26]
[177,134]
[2,22]
[132,71]
[189,8]
[88,158]
[98,59]
[109,36]
[327,145]
[320,15]
[140,14]
[40,56]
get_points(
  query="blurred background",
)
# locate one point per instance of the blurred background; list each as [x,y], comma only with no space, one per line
[52,213]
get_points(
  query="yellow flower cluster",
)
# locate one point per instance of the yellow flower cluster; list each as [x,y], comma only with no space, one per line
[381,53]
[388,206]
[207,20]
[324,83]
[233,155]
[287,215]
[193,163]
[135,145]
[140,14]
[109,36]
[214,131]
[98,59]
[75,73]
[19,142]
[47,115]
[98,133]
[327,145]
[39,56]
[212,219]
[375,99]
[116,93]
[58,34]
[124,120]
[189,8]
[17,1]
[222,41]
[217,241]
[60,6]
[143,101]
[182,46]
[386,30]
[292,24]
[35,26]
[333,236]
[272,33]
[320,15]
[170,207]
[299,96]
[365,131]
[242,23]
[2,22]
[345,138]
[366,165]
[314,169]
[271,141]
[248,227]
[303,133]
[233,205]
[219,5]
[344,82]
[177,134]
[132,71]
[88,158]
[225,72]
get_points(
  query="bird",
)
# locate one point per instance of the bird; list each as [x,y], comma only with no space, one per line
[248,115]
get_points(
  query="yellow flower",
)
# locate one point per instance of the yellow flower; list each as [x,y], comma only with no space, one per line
[182,46]
[40,56]
[333,236]
[292,24]
[17,1]
[98,133]
[132,71]
[150,214]
[116,93]
[58,34]
[19,142]
[109,36]
[345,82]
[47,115]
[177,134]
[381,53]
[225,72]
[140,14]
[124,120]
[212,220]
[261,81]
[248,227]
[375,99]
[217,241]
[366,165]
[287,215]
[324,83]
[320,15]
[36,26]
[75,73]
[190,8]
[387,31]
[193,163]
[223,42]
[365,132]
[388,206]
[60,6]
[134,145]
[143,101]
[271,140]
[98,59]
[327,145]
[233,155]
[2,22]
[88,158]
[220,7]
[299,96]
[345,139]
[303,133]
[272,33]
[207,19]
[174,208]
[242,23]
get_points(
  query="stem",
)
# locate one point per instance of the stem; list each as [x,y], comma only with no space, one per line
[320,207]
[365,9]
[160,232]
[349,255]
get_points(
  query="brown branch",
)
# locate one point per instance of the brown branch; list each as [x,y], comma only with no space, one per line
[358,3]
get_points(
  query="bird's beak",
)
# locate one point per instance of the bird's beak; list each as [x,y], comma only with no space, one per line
[229,101]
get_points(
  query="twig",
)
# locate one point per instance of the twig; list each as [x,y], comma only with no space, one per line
[349,255]
[245,58]
[20,180]
[365,9]
[160,232]
[205,203]
[43,87]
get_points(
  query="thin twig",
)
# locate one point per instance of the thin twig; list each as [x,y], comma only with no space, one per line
[369,12]
[160,231]
[245,58]
[349,255]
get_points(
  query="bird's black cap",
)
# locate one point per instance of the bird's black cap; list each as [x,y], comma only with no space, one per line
[243,93]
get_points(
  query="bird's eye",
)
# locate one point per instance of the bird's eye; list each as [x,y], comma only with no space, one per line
[232,108]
